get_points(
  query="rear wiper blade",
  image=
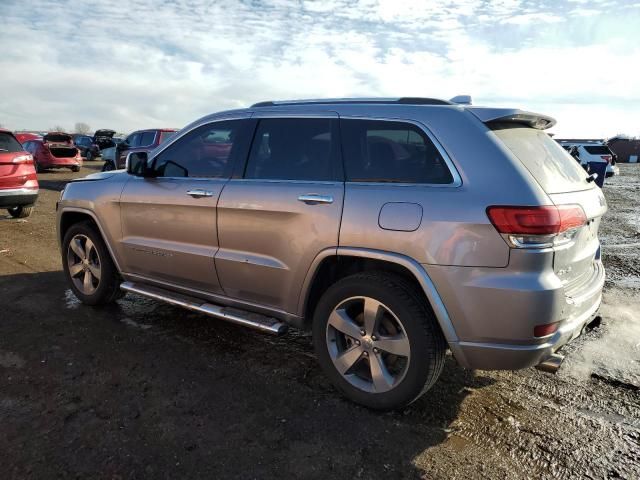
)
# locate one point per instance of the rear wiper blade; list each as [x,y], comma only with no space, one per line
[592,177]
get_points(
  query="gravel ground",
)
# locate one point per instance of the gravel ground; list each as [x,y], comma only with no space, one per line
[145,390]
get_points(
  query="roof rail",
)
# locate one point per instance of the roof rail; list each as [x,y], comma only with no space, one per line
[328,101]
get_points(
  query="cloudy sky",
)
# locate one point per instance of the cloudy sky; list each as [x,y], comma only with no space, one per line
[145,63]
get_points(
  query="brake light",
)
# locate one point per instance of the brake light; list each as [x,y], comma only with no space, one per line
[23,159]
[537,227]
[606,157]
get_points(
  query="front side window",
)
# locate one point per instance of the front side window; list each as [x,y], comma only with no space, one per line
[293,149]
[396,152]
[147,138]
[207,151]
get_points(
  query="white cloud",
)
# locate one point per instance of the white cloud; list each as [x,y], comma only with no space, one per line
[137,64]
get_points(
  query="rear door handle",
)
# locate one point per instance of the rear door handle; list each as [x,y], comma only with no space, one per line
[199,193]
[314,199]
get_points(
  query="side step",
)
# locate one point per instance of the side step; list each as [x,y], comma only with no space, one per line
[233,315]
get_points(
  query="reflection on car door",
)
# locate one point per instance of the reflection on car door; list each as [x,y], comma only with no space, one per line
[283,212]
[169,225]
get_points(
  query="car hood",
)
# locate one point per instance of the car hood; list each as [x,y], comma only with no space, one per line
[104,133]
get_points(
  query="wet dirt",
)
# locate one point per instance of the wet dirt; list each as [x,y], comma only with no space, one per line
[145,390]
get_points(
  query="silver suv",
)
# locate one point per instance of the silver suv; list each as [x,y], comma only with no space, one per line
[394,229]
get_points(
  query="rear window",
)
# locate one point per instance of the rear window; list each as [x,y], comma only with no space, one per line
[164,136]
[8,143]
[554,169]
[597,149]
[57,138]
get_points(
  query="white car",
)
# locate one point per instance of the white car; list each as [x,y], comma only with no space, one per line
[593,152]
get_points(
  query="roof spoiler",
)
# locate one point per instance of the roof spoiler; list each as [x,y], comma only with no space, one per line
[513,115]
[461,99]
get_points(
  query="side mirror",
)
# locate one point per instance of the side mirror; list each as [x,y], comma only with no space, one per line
[136,164]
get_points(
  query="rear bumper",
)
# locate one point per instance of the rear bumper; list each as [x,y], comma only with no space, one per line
[15,197]
[496,356]
[60,163]
[494,316]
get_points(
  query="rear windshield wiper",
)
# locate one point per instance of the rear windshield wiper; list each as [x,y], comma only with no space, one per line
[592,177]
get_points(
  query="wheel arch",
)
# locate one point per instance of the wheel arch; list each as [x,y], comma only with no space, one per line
[332,264]
[71,216]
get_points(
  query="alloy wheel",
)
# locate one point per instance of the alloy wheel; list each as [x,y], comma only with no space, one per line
[368,344]
[83,262]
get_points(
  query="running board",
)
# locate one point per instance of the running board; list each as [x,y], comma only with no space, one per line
[233,315]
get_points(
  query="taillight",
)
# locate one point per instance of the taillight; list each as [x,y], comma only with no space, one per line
[22,159]
[607,158]
[537,227]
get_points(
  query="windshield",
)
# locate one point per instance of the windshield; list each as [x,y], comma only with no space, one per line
[8,143]
[554,169]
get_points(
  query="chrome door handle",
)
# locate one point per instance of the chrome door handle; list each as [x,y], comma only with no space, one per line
[199,193]
[313,199]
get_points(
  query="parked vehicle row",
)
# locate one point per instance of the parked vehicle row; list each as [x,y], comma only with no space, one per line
[18,179]
[369,222]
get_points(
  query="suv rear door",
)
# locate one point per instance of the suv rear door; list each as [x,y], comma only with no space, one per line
[282,210]
[169,222]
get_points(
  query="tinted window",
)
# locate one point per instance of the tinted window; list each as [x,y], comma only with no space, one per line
[147,138]
[205,152]
[597,149]
[133,140]
[8,143]
[555,170]
[164,136]
[293,149]
[380,151]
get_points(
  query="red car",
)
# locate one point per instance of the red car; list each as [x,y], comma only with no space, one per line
[24,137]
[18,180]
[55,150]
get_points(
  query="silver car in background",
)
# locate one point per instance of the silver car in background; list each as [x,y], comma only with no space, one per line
[394,229]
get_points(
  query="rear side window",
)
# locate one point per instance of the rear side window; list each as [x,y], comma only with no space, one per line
[381,151]
[147,138]
[8,143]
[293,149]
[553,168]
[164,136]
[597,149]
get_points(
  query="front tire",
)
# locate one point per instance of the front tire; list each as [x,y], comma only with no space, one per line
[89,156]
[21,211]
[75,169]
[88,267]
[377,340]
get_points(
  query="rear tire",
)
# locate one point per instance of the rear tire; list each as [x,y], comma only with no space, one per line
[89,156]
[75,169]
[21,211]
[88,266]
[107,167]
[37,166]
[357,354]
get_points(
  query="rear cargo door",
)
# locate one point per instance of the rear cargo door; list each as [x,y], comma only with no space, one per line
[9,149]
[566,183]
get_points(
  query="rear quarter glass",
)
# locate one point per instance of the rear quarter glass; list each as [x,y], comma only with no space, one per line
[552,167]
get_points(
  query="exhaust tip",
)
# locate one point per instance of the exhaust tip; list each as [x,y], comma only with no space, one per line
[551,364]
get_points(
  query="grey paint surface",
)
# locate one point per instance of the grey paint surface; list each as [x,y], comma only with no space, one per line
[254,245]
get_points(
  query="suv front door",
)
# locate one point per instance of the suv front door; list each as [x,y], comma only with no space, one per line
[169,224]
[283,210]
